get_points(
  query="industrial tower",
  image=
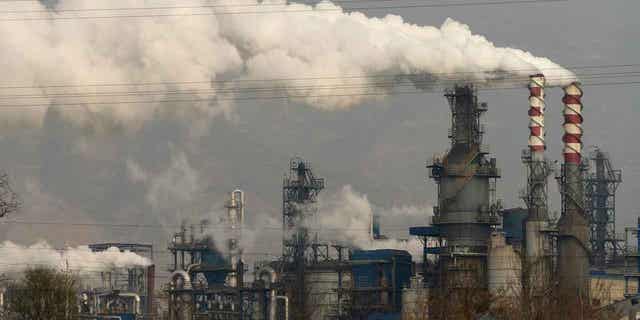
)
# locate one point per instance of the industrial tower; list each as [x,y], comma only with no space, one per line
[537,242]
[601,184]
[467,209]
[573,226]
[234,223]
[299,196]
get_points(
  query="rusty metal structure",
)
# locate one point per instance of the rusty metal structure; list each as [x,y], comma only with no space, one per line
[467,209]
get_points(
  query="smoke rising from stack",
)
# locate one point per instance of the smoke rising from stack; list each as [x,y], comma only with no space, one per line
[326,59]
[81,260]
[345,218]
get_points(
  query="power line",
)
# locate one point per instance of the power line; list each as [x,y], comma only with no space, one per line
[327,77]
[216,13]
[240,90]
[208,6]
[83,104]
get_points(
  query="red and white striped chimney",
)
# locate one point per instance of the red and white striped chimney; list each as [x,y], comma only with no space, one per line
[572,123]
[536,113]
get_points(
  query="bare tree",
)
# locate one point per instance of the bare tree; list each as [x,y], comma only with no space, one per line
[43,294]
[9,200]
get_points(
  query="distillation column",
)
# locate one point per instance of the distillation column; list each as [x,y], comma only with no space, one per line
[573,227]
[537,269]
[234,224]
[466,186]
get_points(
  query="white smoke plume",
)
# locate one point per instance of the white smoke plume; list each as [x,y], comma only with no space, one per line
[344,217]
[347,216]
[80,260]
[320,55]
[176,185]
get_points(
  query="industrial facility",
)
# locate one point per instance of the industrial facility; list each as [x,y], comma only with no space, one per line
[477,256]
[473,246]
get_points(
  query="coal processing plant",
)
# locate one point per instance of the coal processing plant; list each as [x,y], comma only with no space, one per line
[476,256]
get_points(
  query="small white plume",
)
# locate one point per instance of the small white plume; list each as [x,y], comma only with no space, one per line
[346,217]
[81,260]
[320,55]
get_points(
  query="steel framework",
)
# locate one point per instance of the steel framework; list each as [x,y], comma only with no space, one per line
[299,196]
[601,184]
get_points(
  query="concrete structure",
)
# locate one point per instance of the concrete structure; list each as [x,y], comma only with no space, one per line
[504,267]
[608,287]
[415,300]
[326,284]
[536,241]
[573,227]
[466,208]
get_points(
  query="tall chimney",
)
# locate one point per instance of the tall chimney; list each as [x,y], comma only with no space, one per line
[538,264]
[573,227]
[572,124]
[536,115]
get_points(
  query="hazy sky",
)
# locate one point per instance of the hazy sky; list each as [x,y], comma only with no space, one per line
[165,171]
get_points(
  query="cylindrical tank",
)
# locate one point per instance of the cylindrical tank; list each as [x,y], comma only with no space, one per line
[504,267]
[323,285]
[415,300]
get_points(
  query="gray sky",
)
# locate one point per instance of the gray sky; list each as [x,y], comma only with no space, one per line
[379,148]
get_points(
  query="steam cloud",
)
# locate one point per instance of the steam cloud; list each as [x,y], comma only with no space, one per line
[319,55]
[342,218]
[80,259]
[325,59]
[346,217]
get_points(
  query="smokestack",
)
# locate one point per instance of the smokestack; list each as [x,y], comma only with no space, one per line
[572,123]
[536,115]
[573,227]
[536,193]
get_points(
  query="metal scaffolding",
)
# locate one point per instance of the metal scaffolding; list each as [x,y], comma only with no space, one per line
[601,184]
[299,196]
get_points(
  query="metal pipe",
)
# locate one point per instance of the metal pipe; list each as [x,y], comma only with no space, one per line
[151,277]
[273,304]
[286,306]
[637,251]
[393,284]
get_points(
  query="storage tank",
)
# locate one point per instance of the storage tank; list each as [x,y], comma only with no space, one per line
[504,267]
[326,298]
[415,300]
